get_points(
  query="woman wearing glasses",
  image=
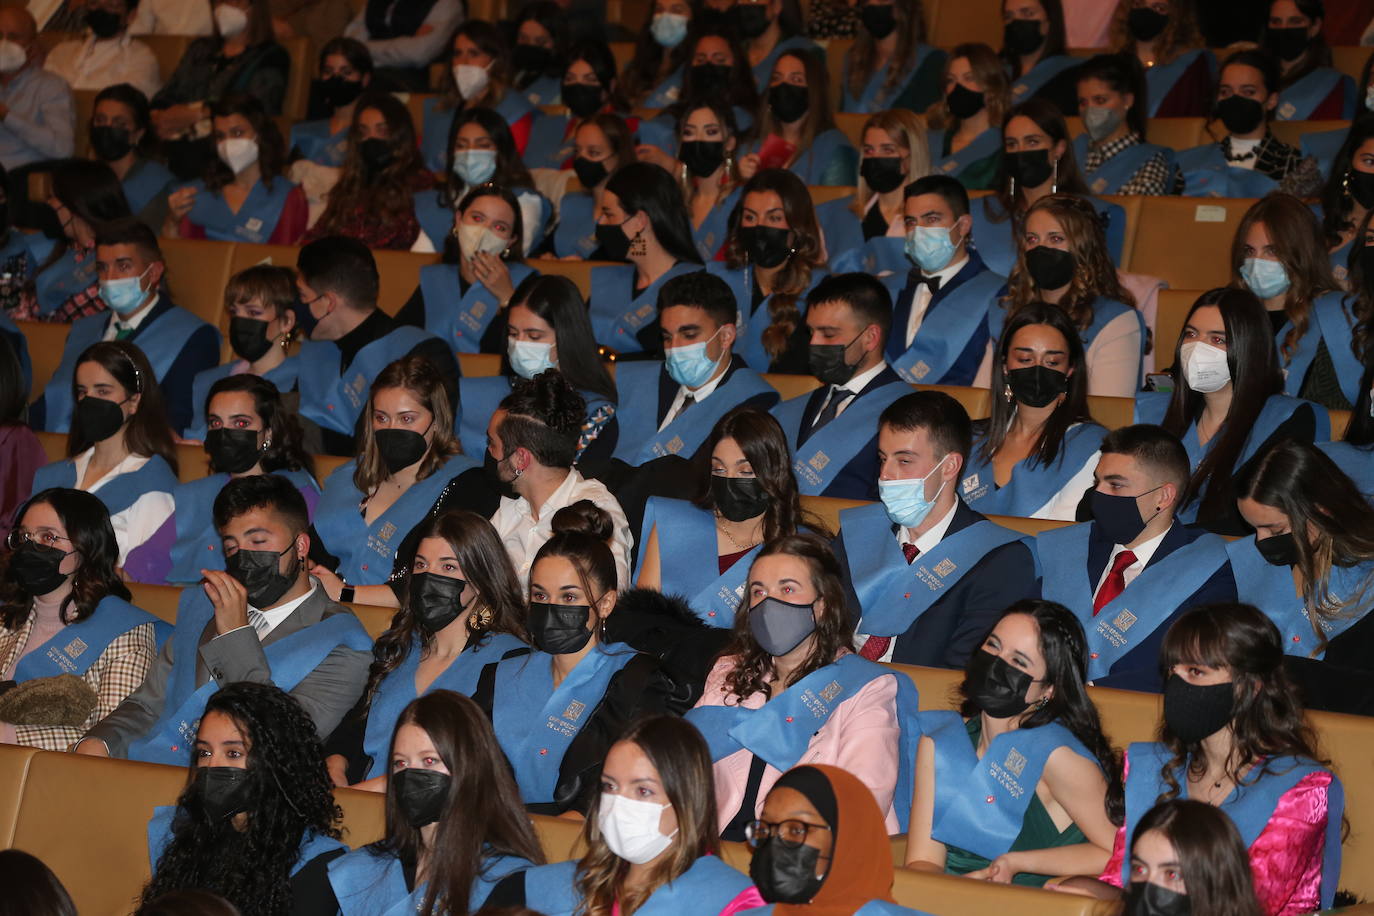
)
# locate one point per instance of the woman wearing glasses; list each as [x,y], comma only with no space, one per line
[68,635]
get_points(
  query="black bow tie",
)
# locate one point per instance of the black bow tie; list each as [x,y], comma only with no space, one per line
[920,279]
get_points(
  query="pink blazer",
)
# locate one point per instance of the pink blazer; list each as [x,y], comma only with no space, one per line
[861,736]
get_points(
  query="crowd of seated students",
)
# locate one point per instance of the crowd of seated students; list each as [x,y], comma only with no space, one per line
[612,601]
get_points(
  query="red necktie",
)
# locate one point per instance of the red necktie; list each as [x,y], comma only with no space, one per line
[875,647]
[1115,583]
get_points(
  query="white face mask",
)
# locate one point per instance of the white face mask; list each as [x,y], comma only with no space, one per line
[471,79]
[231,20]
[1204,366]
[12,56]
[473,238]
[238,153]
[630,828]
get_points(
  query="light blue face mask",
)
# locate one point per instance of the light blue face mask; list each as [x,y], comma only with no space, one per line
[690,365]
[1266,279]
[668,29]
[905,500]
[530,357]
[930,247]
[126,295]
[475,166]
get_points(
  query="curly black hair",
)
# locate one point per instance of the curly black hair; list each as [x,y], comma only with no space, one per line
[290,793]
[544,415]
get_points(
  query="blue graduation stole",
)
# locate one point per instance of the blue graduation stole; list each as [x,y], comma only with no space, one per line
[435,219]
[1323,147]
[536,722]
[763,71]
[121,492]
[666,92]
[817,165]
[842,231]
[886,585]
[1161,78]
[313,845]
[1300,101]
[576,229]
[707,886]
[1138,611]
[818,460]
[550,144]
[950,322]
[478,398]
[1332,322]
[546,90]
[197,545]
[640,439]
[554,888]
[147,180]
[1110,176]
[317,144]
[1250,806]
[255,221]
[873,98]
[1032,484]
[780,731]
[334,402]
[461,318]
[1270,588]
[366,551]
[616,313]
[372,883]
[986,144]
[882,254]
[160,337]
[750,322]
[283,376]
[77,646]
[980,804]
[1356,461]
[1045,70]
[397,689]
[710,235]
[291,658]
[63,279]
[995,244]
[686,539]
[436,123]
[1206,173]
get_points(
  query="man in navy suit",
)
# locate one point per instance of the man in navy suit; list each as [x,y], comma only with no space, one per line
[929,575]
[833,430]
[1129,573]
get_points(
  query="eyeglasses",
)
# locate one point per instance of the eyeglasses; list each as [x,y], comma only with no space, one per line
[789,833]
[45,538]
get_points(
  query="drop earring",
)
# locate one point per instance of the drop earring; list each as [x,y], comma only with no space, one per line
[1054,178]
[1006,393]
[638,247]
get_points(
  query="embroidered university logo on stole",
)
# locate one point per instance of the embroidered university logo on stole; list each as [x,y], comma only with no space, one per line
[821,703]
[356,390]
[919,371]
[671,447]
[1015,762]
[970,484]
[574,710]
[473,317]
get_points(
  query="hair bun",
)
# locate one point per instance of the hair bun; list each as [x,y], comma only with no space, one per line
[583,517]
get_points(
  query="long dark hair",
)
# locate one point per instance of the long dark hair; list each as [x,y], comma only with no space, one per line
[598,55]
[1073,409]
[90,190]
[483,817]
[389,195]
[580,535]
[551,18]
[641,74]
[863,57]
[31,887]
[1066,670]
[1123,74]
[558,301]
[147,432]
[1255,377]
[1337,204]
[1267,719]
[285,451]
[289,793]
[1318,53]
[491,41]
[834,629]
[92,537]
[510,169]
[453,252]
[271,146]
[1359,301]
[819,115]
[1055,38]
[498,608]
[1007,200]
[132,98]
[741,93]
[1208,848]
[647,187]
[1299,480]
[759,435]
[1263,62]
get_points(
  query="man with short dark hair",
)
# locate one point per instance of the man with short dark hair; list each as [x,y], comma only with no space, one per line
[1133,569]
[929,575]
[179,345]
[261,619]
[352,341]
[833,430]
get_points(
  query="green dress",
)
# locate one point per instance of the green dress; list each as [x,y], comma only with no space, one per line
[1037,832]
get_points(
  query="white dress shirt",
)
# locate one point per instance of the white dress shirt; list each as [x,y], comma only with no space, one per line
[523,535]
[854,386]
[411,50]
[923,543]
[276,615]
[173,17]
[140,520]
[133,322]
[1143,554]
[91,63]
[698,395]
[921,301]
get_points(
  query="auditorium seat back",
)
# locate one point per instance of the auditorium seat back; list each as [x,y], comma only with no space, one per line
[1186,241]
[821,194]
[197,273]
[14,773]
[1292,132]
[1131,205]
[54,444]
[828,508]
[297,96]
[953,22]
[479,365]
[1170,316]
[168,49]
[791,386]
[376,620]
[580,272]
[84,102]
[46,340]
[851,124]
[158,600]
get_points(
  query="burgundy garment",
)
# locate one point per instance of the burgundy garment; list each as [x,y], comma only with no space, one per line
[21,455]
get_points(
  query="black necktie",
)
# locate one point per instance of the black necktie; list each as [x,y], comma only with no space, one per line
[838,396]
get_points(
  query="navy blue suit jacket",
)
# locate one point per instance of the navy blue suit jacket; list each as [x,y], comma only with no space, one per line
[859,478]
[954,626]
[965,368]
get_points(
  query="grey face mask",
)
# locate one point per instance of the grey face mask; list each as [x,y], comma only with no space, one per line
[779,627]
[1100,122]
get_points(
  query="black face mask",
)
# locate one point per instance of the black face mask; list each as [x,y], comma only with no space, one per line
[248,338]
[788,101]
[880,21]
[710,79]
[531,58]
[785,874]
[963,102]
[1029,168]
[232,451]
[218,793]
[35,568]
[336,92]
[583,100]
[111,143]
[702,157]
[1050,268]
[435,601]
[765,246]
[559,629]
[1145,24]
[995,687]
[883,173]
[103,23]
[827,362]
[420,794]
[1287,44]
[259,572]
[1145,899]
[1239,114]
[100,419]
[400,448]
[1362,188]
[1192,713]
[1278,549]
[1118,517]
[749,19]
[588,172]
[1036,386]
[1022,36]
[738,498]
[492,469]
[613,241]
[376,154]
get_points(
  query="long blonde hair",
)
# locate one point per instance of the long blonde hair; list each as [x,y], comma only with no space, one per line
[418,376]
[909,130]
